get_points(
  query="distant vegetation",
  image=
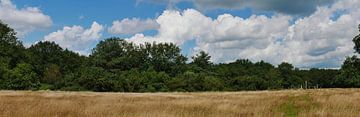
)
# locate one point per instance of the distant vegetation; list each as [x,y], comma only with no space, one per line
[121,66]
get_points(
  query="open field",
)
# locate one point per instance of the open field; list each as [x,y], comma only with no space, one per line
[322,102]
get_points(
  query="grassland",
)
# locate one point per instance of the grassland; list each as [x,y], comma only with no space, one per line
[319,103]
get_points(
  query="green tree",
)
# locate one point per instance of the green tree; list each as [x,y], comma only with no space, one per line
[11,49]
[117,54]
[212,83]
[43,54]
[52,62]
[202,60]
[290,80]
[8,35]
[248,83]
[52,74]
[349,74]
[22,77]
[3,71]
[165,57]
[95,79]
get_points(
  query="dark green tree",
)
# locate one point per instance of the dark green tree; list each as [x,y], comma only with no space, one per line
[349,74]
[52,74]
[11,49]
[95,79]
[290,80]
[43,54]
[22,77]
[117,54]
[165,57]
[52,62]
[8,35]
[202,60]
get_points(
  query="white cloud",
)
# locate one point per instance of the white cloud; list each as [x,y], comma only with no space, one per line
[132,26]
[77,38]
[225,38]
[177,27]
[23,20]
[322,39]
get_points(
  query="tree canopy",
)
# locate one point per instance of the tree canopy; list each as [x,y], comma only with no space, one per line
[118,65]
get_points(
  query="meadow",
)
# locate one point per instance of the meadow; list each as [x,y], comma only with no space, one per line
[314,102]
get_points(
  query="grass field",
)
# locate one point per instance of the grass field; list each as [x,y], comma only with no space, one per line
[319,103]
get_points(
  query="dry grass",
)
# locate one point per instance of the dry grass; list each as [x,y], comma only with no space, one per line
[323,102]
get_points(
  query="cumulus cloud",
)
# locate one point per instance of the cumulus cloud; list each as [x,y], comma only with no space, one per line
[319,38]
[322,39]
[225,36]
[23,20]
[76,38]
[132,26]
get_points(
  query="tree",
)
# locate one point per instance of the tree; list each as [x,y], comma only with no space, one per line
[95,79]
[212,83]
[117,54]
[52,74]
[290,80]
[11,49]
[356,41]
[285,67]
[3,71]
[349,73]
[22,77]
[8,35]
[248,83]
[52,62]
[164,57]
[43,54]
[202,60]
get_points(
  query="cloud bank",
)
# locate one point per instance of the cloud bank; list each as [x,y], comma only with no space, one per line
[322,39]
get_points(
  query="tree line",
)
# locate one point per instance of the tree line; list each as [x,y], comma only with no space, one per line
[121,66]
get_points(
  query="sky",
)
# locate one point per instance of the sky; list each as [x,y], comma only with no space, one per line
[306,33]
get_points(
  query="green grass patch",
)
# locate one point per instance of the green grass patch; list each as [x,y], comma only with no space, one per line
[294,105]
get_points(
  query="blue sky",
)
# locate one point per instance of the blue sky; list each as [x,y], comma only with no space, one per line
[68,13]
[84,12]
[300,32]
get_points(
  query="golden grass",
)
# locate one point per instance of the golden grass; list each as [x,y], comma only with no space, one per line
[318,103]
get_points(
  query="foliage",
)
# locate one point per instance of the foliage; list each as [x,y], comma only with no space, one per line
[118,65]
[20,78]
[202,60]
[349,73]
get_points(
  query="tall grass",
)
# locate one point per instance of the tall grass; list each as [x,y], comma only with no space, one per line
[322,102]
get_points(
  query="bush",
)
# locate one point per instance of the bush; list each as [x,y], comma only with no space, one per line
[22,77]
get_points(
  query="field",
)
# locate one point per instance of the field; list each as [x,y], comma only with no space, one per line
[320,102]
